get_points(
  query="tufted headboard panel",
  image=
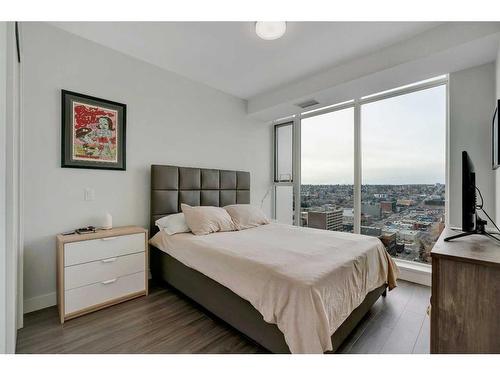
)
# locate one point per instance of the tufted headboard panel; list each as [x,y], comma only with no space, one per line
[171,186]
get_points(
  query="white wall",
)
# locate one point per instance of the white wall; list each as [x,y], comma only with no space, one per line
[471,109]
[3,127]
[170,120]
[9,89]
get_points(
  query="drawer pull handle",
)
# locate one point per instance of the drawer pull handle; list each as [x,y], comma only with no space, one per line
[108,282]
[108,260]
[108,238]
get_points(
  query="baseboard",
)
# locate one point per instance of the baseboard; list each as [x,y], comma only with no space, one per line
[40,302]
[414,272]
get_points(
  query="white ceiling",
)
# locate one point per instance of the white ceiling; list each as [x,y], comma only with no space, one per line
[230,57]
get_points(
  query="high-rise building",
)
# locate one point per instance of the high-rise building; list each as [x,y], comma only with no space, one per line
[371,208]
[348,216]
[408,235]
[371,231]
[329,220]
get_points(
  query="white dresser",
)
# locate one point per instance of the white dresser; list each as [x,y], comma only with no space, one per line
[100,269]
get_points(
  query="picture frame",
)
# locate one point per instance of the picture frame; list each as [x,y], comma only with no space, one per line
[93,132]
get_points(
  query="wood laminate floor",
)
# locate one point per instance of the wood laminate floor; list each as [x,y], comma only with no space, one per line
[167,322]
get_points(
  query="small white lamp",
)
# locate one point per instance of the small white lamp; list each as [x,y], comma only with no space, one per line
[108,221]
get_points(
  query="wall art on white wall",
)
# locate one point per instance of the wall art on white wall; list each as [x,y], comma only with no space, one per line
[93,132]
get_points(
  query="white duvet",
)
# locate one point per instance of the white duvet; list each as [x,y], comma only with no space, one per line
[306,281]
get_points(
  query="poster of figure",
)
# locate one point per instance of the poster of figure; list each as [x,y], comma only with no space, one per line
[93,132]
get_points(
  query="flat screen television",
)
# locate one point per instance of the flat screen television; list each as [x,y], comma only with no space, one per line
[468,193]
[495,139]
[471,223]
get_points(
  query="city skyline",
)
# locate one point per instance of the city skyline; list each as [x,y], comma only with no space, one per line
[407,218]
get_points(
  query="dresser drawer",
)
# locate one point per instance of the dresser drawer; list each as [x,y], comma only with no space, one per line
[102,292]
[105,269]
[103,248]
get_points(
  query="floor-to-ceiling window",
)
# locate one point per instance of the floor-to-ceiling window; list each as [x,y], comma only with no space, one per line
[399,155]
[403,145]
[327,171]
[283,172]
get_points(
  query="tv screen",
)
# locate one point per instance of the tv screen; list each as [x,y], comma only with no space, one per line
[468,193]
[495,139]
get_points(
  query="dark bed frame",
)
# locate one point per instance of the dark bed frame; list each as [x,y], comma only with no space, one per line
[171,186]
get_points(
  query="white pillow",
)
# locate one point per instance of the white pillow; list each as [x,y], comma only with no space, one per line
[173,224]
[207,219]
[246,216]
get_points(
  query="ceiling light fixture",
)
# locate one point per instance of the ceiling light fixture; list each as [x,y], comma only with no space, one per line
[270,30]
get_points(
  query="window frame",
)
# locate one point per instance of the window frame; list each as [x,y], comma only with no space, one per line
[275,147]
[357,104]
[357,160]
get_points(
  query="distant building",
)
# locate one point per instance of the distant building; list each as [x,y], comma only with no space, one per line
[329,220]
[348,216]
[412,249]
[435,202]
[371,231]
[404,224]
[366,219]
[421,225]
[386,207]
[372,209]
[348,227]
[408,235]
[405,202]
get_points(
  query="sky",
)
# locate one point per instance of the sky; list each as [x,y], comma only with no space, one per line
[402,142]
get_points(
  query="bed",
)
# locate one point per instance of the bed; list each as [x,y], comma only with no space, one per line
[289,289]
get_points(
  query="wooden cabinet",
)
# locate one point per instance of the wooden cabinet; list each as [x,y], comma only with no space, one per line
[465,315]
[100,269]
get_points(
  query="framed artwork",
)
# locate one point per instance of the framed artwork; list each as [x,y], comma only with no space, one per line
[93,132]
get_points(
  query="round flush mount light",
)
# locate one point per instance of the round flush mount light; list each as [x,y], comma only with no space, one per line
[270,30]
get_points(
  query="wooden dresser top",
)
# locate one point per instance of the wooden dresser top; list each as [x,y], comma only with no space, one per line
[100,233]
[475,248]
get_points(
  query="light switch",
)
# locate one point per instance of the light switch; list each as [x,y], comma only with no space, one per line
[89,194]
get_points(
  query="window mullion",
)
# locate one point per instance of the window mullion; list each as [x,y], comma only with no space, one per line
[357,167]
[297,170]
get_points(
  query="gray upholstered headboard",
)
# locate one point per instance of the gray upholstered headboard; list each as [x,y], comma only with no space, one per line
[171,186]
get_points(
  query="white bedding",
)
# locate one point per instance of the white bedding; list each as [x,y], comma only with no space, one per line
[307,281]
